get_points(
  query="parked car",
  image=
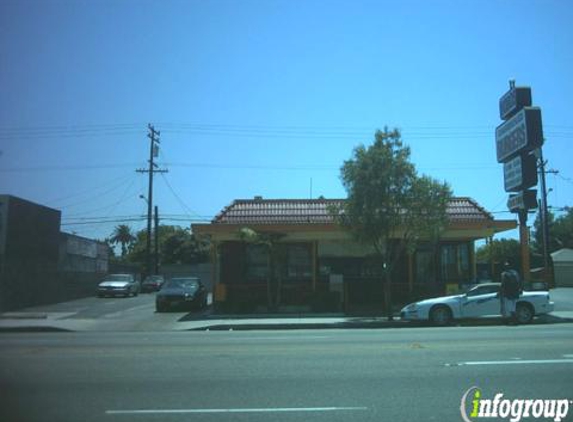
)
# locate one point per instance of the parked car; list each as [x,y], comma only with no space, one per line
[181,293]
[118,285]
[481,300]
[152,283]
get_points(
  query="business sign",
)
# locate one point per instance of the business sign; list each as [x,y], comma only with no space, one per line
[513,101]
[523,132]
[520,173]
[523,201]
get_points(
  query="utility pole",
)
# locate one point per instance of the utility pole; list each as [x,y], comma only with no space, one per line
[153,136]
[544,217]
[156,238]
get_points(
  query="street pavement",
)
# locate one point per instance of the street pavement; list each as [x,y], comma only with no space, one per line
[135,314]
[417,374]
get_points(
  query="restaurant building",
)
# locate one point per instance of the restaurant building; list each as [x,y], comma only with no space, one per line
[302,260]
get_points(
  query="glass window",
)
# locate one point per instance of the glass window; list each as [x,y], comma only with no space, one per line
[257,261]
[299,262]
[455,263]
[424,267]
[464,261]
[448,263]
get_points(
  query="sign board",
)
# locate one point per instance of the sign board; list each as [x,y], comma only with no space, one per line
[513,101]
[520,173]
[523,201]
[522,132]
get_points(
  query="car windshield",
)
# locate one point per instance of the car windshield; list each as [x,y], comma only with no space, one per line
[483,290]
[189,283]
[118,277]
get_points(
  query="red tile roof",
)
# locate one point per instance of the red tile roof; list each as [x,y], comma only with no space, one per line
[316,211]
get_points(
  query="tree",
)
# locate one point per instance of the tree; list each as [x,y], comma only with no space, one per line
[123,235]
[560,231]
[389,206]
[500,251]
[176,246]
[274,257]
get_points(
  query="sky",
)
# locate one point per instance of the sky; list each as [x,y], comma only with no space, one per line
[266,97]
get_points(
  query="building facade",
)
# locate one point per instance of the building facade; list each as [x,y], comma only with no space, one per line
[301,259]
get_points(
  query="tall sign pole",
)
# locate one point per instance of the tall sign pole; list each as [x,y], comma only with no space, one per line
[153,136]
[517,138]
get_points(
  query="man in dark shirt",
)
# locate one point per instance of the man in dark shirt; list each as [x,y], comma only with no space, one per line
[510,292]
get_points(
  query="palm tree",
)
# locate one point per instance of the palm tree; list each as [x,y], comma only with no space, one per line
[123,235]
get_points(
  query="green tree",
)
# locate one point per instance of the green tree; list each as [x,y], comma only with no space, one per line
[122,234]
[389,206]
[176,246]
[560,231]
[500,251]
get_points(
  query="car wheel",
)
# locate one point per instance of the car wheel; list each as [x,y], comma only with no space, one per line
[441,315]
[523,313]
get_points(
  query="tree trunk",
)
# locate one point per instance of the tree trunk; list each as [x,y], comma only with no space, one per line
[388,294]
[269,281]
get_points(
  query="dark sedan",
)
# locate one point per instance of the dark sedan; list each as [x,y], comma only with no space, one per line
[181,293]
[152,283]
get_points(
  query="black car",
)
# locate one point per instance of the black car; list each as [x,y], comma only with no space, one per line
[152,283]
[181,293]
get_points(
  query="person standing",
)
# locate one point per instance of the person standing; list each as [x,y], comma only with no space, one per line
[510,292]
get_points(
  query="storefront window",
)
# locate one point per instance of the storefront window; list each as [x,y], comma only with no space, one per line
[299,262]
[455,263]
[424,267]
[257,261]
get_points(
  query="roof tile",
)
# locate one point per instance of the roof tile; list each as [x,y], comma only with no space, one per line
[315,211]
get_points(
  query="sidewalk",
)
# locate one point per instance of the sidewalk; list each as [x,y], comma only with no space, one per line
[53,322]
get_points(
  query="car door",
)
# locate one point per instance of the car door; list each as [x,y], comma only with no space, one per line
[481,301]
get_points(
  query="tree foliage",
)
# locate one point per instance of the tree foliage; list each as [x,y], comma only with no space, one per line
[560,231]
[122,234]
[500,251]
[176,246]
[389,206]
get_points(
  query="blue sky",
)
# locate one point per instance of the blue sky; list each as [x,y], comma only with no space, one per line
[260,97]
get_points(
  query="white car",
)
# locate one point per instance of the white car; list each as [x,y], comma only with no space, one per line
[481,300]
[118,285]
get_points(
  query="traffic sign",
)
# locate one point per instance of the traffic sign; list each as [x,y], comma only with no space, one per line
[523,132]
[523,201]
[513,101]
[520,173]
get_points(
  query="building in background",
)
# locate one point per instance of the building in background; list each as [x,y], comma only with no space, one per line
[29,234]
[563,267]
[82,255]
[38,264]
[319,266]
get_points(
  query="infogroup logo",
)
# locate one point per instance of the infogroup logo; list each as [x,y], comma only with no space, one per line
[474,407]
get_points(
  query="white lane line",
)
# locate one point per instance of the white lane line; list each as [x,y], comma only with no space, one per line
[238,410]
[513,362]
[279,338]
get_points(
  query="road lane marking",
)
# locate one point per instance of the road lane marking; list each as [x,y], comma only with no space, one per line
[236,410]
[512,362]
[290,338]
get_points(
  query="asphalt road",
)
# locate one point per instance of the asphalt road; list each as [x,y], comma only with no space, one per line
[417,374]
[125,314]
